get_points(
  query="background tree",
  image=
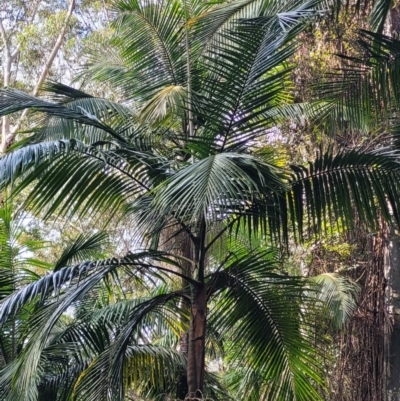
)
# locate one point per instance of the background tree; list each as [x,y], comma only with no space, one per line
[363,116]
[43,40]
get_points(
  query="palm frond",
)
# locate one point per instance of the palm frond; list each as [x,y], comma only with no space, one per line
[83,248]
[13,100]
[339,294]
[379,14]
[209,23]
[24,382]
[247,76]
[171,98]
[365,92]
[105,375]
[151,48]
[217,185]
[61,290]
[100,107]
[66,276]
[119,117]
[73,176]
[342,188]
[257,308]
[93,332]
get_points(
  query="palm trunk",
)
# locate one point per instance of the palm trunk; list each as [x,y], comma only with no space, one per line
[198,320]
[182,245]
[197,330]
[196,349]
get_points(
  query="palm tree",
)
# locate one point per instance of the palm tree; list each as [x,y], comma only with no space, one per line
[182,156]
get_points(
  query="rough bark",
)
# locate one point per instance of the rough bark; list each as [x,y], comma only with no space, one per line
[392,273]
[392,328]
[359,373]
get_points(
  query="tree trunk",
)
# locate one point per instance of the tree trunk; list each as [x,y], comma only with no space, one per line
[192,248]
[197,335]
[180,245]
[392,329]
[359,372]
[392,274]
